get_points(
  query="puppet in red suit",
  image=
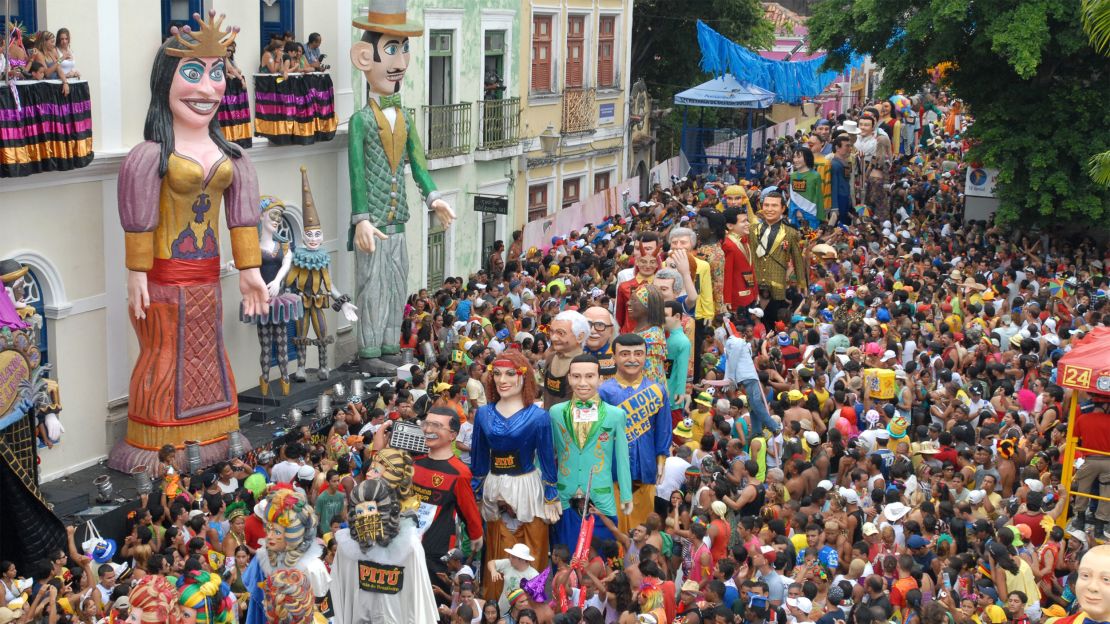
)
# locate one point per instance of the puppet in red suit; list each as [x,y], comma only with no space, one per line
[647,262]
[740,288]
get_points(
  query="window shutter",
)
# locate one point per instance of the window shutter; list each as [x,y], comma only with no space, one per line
[575,48]
[541,53]
[605,50]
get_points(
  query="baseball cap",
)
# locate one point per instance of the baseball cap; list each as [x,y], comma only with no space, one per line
[916,541]
[849,495]
[454,553]
[869,528]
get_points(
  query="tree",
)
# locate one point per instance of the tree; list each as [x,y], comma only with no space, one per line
[665,50]
[1038,91]
[1096,23]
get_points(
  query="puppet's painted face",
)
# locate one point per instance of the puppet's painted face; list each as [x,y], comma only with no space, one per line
[508,381]
[197,88]
[735,201]
[601,327]
[583,378]
[391,60]
[1092,588]
[563,339]
[271,219]
[313,238]
[772,209]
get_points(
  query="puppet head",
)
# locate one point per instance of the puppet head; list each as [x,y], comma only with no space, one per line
[382,55]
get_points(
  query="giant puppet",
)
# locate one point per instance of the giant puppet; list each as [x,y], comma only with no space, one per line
[513,463]
[591,452]
[383,140]
[569,332]
[380,573]
[170,190]
[775,245]
[290,545]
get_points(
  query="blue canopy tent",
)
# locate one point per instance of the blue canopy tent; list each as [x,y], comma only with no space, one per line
[700,145]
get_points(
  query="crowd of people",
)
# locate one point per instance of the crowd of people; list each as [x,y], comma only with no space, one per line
[43,56]
[872,432]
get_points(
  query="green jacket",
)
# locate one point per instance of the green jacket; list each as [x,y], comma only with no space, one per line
[376,158]
[605,454]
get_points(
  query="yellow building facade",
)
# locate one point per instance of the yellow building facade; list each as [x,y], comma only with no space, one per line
[574,92]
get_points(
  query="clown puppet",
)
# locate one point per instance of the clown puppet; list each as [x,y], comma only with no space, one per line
[647,412]
[310,276]
[513,463]
[592,453]
[383,141]
[568,333]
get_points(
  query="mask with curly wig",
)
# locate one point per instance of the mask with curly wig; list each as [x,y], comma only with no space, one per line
[204,598]
[288,598]
[290,527]
[374,512]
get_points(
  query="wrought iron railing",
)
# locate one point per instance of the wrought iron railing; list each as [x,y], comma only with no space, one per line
[448,129]
[579,110]
[500,123]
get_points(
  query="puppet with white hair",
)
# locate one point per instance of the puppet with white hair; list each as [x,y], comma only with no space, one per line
[568,334]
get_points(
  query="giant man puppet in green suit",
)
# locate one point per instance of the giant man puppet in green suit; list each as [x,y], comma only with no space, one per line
[383,139]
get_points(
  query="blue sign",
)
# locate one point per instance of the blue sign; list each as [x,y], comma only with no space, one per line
[607,112]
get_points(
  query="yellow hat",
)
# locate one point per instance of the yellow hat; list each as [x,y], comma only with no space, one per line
[684,429]
[734,190]
[795,395]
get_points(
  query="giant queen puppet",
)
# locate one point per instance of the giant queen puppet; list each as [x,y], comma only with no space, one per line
[383,140]
[171,188]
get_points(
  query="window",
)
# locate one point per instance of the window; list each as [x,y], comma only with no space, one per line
[440,49]
[275,17]
[489,235]
[606,46]
[576,44]
[537,201]
[24,12]
[494,70]
[571,191]
[541,53]
[601,181]
[179,13]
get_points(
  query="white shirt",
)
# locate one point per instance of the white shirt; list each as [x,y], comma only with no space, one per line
[674,476]
[625,274]
[466,436]
[285,472]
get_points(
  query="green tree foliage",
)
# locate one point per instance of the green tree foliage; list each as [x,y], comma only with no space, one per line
[665,50]
[1039,92]
[1096,23]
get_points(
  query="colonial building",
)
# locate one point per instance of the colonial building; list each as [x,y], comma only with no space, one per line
[574,90]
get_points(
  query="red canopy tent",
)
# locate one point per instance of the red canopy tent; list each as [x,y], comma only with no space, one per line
[1087,366]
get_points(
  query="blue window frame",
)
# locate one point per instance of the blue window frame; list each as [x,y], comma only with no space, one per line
[179,13]
[275,17]
[25,12]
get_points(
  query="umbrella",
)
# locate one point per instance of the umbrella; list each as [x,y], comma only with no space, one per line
[1057,285]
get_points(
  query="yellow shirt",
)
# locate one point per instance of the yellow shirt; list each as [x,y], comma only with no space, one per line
[698,430]
[705,309]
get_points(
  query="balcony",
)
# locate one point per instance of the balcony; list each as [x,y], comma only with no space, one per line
[44,130]
[579,110]
[500,123]
[448,129]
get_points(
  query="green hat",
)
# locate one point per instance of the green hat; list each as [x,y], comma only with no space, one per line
[704,398]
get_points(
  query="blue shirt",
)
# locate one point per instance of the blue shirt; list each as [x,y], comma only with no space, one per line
[841,193]
[519,443]
[647,423]
[740,366]
[827,557]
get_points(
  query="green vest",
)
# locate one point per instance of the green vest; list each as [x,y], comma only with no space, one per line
[386,201]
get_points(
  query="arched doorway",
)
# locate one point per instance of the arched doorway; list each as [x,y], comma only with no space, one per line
[645,183]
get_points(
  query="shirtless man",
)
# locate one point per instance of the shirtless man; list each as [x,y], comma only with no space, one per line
[569,331]
[798,412]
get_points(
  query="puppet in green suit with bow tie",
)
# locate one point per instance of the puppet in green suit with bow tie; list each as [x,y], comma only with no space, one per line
[383,139]
[591,449]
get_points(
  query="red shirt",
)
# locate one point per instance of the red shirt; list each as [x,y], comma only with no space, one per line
[898,592]
[254,531]
[444,486]
[1037,533]
[739,276]
[1092,429]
